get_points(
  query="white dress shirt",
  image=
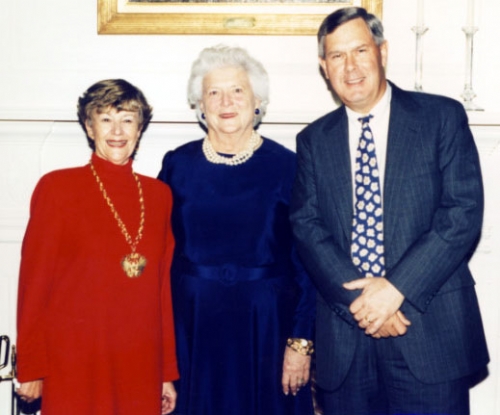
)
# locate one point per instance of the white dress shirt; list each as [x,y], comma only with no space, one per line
[379,125]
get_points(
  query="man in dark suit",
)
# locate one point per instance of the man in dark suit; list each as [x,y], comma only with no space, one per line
[407,340]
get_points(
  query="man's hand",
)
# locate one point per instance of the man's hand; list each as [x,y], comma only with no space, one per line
[379,300]
[396,325]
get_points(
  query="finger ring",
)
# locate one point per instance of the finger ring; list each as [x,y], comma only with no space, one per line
[368,319]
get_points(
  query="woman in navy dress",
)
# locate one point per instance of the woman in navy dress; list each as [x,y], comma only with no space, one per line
[240,293]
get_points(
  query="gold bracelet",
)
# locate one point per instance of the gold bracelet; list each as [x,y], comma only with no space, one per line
[302,346]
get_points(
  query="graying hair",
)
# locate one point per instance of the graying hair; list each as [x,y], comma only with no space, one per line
[344,15]
[221,56]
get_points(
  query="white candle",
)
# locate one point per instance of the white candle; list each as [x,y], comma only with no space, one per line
[470,13]
[420,13]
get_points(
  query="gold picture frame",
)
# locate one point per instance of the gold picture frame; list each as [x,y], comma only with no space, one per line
[288,17]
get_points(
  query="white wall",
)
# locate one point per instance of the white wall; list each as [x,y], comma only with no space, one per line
[50,53]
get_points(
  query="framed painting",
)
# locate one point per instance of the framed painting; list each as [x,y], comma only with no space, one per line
[229,17]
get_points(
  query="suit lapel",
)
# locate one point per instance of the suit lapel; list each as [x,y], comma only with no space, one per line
[403,131]
[334,153]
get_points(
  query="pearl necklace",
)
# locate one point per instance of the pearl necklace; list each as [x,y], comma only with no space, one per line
[213,157]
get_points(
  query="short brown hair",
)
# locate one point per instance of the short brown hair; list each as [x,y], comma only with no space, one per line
[113,93]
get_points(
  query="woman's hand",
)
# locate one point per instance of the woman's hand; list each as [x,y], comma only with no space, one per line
[168,398]
[30,391]
[296,370]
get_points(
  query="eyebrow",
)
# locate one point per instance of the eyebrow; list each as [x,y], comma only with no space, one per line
[357,46]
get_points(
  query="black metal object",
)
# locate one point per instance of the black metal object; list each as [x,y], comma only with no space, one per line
[9,377]
[7,353]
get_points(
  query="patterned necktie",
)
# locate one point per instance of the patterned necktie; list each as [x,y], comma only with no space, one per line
[367,247]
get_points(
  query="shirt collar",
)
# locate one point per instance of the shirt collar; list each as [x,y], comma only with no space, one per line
[379,109]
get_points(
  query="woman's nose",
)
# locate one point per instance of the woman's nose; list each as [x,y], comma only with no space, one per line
[226,99]
[117,128]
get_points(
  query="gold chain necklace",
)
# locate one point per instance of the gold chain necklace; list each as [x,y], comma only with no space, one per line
[133,264]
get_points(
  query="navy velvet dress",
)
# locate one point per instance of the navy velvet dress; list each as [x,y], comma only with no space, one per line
[238,289]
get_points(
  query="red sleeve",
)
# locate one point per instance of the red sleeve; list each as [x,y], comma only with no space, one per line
[170,371]
[38,259]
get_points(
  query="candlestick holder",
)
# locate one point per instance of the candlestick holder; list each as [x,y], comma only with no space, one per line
[419,33]
[468,95]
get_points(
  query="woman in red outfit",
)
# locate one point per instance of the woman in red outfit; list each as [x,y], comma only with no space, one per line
[95,328]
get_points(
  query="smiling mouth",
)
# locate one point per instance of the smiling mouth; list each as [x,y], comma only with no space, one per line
[228,115]
[117,144]
[354,81]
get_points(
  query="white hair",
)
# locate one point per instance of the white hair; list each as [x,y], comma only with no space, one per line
[221,56]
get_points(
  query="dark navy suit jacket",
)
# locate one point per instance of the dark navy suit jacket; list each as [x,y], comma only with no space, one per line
[433,208]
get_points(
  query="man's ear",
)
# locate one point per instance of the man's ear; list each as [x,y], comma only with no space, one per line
[322,63]
[384,53]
